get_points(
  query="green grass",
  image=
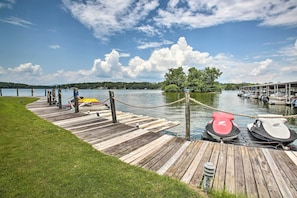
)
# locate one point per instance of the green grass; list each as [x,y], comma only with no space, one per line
[39,159]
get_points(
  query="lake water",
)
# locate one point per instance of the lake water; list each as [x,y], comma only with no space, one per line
[200,116]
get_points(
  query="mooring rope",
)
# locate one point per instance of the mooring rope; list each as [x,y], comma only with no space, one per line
[204,105]
[149,107]
[237,114]
[104,101]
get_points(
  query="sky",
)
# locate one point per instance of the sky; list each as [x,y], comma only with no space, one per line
[49,42]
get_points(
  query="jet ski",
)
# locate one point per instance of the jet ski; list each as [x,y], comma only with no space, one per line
[221,128]
[271,128]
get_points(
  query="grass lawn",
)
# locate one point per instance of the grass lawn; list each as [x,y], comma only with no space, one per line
[39,159]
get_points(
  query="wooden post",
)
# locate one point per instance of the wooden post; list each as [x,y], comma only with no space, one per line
[50,97]
[32,92]
[17,92]
[75,96]
[112,106]
[54,95]
[187,114]
[44,92]
[47,96]
[60,98]
[0,92]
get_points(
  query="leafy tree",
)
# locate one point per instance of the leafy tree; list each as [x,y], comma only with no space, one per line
[176,77]
[211,75]
[196,80]
[171,88]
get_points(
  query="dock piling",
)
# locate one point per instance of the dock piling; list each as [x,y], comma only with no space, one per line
[60,98]
[75,96]
[112,106]
[187,113]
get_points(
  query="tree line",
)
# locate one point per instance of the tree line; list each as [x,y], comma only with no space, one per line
[176,80]
[87,85]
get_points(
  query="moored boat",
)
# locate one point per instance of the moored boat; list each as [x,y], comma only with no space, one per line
[221,128]
[271,128]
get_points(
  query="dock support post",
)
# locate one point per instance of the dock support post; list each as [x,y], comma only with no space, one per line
[187,113]
[75,96]
[60,98]
[49,97]
[112,106]
[54,96]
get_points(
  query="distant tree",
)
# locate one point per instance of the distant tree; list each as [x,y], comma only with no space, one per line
[196,80]
[211,75]
[171,88]
[176,77]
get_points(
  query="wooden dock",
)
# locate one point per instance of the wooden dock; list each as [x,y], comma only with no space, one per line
[135,139]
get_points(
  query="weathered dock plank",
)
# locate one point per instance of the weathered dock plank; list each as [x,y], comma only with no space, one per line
[206,155]
[76,121]
[280,183]
[155,161]
[177,170]
[239,171]
[230,170]
[287,169]
[186,178]
[119,139]
[129,146]
[174,158]
[140,153]
[292,156]
[219,179]
[250,182]
[258,175]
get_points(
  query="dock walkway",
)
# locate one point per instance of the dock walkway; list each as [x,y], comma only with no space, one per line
[240,170]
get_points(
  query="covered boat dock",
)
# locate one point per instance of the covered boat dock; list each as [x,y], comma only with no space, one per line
[278,93]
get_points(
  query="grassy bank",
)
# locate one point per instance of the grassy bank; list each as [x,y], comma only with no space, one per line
[39,159]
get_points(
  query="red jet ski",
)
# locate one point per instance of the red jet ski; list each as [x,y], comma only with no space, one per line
[221,128]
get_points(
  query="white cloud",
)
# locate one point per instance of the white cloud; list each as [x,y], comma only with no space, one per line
[124,55]
[27,68]
[17,21]
[26,72]
[146,45]
[105,18]
[54,46]
[7,4]
[149,30]
[206,13]
[2,70]
[261,68]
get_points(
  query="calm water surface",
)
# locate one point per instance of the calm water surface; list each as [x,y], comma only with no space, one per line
[227,101]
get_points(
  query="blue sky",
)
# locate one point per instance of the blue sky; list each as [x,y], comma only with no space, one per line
[70,41]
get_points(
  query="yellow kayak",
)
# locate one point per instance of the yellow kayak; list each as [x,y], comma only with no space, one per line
[88,100]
